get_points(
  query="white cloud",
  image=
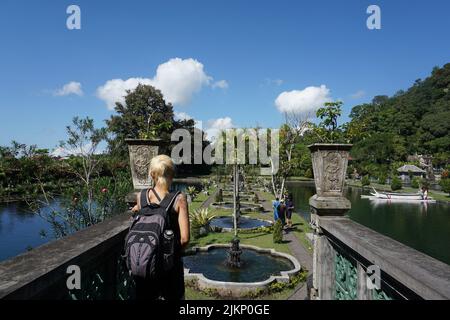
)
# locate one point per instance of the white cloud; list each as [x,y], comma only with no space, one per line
[358,94]
[221,84]
[178,79]
[68,89]
[182,116]
[303,101]
[214,126]
[64,152]
[60,152]
[114,90]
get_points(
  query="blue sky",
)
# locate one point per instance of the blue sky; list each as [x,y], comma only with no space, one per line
[260,49]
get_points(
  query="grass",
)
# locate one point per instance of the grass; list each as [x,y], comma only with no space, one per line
[266,196]
[299,179]
[259,239]
[201,197]
[302,227]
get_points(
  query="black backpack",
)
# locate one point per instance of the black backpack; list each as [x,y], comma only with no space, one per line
[149,244]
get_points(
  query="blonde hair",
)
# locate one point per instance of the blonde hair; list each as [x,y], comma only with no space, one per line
[162,170]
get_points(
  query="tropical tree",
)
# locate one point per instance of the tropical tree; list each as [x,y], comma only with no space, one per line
[291,153]
[145,114]
[91,200]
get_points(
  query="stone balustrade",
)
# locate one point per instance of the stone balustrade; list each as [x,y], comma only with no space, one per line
[343,252]
[347,253]
[42,272]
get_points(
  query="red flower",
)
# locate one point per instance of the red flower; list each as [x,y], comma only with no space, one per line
[104,190]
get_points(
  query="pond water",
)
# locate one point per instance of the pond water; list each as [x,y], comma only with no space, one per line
[254,266]
[244,222]
[21,229]
[422,226]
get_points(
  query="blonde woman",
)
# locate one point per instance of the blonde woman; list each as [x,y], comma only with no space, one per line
[170,285]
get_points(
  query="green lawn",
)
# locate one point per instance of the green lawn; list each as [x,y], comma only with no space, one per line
[260,239]
[301,228]
[201,197]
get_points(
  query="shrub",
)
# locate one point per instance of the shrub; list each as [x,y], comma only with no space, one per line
[396,184]
[191,192]
[199,219]
[415,182]
[425,183]
[278,232]
[382,179]
[445,185]
[219,196]
[308,173]
[365,181]
[255,198]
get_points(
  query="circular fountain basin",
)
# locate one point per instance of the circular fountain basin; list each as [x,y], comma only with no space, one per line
[226,223]
[259,268]
[245,207]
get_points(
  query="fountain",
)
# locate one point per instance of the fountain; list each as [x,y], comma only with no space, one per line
[234,254]
[227,223]
[237,270]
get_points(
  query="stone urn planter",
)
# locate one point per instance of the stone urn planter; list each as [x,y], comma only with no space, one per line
[330,166]
[141,153]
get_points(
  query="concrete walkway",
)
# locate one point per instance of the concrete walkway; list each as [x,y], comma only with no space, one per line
[298,251]
[210,199]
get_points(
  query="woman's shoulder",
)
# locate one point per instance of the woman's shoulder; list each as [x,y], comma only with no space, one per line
[180,199]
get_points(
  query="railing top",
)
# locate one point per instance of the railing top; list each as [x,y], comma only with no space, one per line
[38,264]
[426,276]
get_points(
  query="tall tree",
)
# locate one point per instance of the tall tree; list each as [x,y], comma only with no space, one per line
[145,114]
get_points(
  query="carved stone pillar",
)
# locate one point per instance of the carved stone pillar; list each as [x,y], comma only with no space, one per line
[141,153]
[329,166]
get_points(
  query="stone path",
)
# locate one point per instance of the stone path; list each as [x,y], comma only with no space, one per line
[298,251]
[210,199]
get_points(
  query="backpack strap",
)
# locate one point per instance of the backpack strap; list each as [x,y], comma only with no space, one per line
[168,200]
[167,203]
[172,200]
[144,199]
[156,194]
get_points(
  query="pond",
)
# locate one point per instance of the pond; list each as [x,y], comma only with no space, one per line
[21,229]
[244,223]
[255,266]
[422,226]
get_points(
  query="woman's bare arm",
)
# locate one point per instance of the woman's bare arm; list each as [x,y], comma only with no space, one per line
[183,219]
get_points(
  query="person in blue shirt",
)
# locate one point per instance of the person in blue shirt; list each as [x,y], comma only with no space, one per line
[276,206]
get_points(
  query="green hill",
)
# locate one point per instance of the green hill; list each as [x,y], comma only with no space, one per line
[389,129]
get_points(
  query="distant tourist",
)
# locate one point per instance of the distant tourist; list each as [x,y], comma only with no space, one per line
[424,193]
[276,206]
[289,211]
[167,282]
[282,212]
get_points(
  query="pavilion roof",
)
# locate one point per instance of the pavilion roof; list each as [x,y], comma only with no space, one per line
[410,168]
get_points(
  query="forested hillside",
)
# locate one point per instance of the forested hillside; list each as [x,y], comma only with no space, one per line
[389,129]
